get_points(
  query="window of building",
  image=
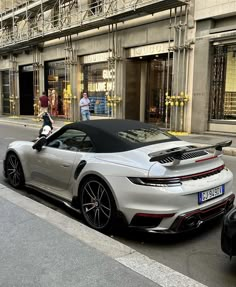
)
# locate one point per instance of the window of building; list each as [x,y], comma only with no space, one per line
[57,89]
[223,85]
[6,92]
[97,82]
[157,87]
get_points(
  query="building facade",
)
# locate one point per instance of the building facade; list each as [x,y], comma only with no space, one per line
[135,60]
[214,85]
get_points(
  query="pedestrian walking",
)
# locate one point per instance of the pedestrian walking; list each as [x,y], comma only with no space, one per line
[84,107]
[43,103]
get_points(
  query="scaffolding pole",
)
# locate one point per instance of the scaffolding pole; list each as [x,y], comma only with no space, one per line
[178,99]
[36,65]
[14,99]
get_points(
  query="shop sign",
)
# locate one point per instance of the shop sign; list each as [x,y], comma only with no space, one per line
[154,49]
[28,68]
[95,58]
[108,74]
[100,86]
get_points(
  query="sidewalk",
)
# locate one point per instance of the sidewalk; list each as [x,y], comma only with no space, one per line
[199,139]
[43,248]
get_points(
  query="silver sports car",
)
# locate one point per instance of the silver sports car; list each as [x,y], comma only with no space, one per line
[109,168]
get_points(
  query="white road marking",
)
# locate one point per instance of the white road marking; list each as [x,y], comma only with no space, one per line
[9,138]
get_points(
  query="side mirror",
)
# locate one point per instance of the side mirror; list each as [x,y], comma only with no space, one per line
[39,143]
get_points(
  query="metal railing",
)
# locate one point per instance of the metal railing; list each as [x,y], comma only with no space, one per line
[43,20]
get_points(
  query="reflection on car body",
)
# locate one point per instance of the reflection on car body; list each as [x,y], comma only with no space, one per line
[106,168]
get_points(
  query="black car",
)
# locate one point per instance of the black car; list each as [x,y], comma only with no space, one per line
[228,234]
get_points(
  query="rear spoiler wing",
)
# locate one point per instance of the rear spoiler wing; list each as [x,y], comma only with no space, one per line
[178,153]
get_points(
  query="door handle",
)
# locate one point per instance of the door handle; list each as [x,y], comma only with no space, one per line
[66,165]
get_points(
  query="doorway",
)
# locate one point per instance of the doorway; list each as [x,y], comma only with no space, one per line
[146,88]
[26,90]
[132,99]
[5,92]
[157,74]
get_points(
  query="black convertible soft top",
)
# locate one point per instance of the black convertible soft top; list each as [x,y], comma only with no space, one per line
[105,134]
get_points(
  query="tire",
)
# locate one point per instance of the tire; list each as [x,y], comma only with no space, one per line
[97,204]
[14,171]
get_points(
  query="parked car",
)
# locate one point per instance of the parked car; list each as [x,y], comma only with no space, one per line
[110,168]
[228,234]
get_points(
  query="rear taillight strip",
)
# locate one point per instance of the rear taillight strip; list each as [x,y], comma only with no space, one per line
[172,181]
[203,174]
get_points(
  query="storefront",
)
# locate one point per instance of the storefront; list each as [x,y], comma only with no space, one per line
[5,92]
[57,86]
[98,81]
[26,81]
[223,84]
[148,72]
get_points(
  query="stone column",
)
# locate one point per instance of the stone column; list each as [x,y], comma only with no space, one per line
[143,91]
[74,90]
[201,80]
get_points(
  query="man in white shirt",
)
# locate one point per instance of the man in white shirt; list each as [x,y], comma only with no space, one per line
[84,107]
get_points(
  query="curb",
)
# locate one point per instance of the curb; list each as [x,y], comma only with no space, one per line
[25,124]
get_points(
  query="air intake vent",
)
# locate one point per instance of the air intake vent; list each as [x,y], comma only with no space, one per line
[185,156]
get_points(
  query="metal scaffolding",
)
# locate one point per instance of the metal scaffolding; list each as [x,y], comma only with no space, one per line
[177,93]
[36,71]
[70,72]
[13,98]
[27,23]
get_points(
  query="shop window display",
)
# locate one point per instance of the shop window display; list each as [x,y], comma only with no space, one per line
[223,87]
[156,88]
[6,92]
[96,82]
[57,88]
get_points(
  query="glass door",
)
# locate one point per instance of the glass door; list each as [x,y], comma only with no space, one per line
[156,89]
[6,92]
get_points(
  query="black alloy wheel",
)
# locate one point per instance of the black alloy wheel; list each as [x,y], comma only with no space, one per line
[97,204]
[14,171]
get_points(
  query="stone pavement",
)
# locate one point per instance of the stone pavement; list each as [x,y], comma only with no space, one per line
[41,247]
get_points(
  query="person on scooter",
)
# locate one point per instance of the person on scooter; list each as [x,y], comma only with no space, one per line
[45,130]
[47,121]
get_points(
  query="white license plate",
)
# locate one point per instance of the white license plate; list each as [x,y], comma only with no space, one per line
[211,193]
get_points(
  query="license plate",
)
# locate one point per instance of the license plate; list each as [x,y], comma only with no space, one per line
[210,194]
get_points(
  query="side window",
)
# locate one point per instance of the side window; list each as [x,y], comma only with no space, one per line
[73,140]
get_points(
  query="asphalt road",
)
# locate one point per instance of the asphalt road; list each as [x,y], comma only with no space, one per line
[197,255]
